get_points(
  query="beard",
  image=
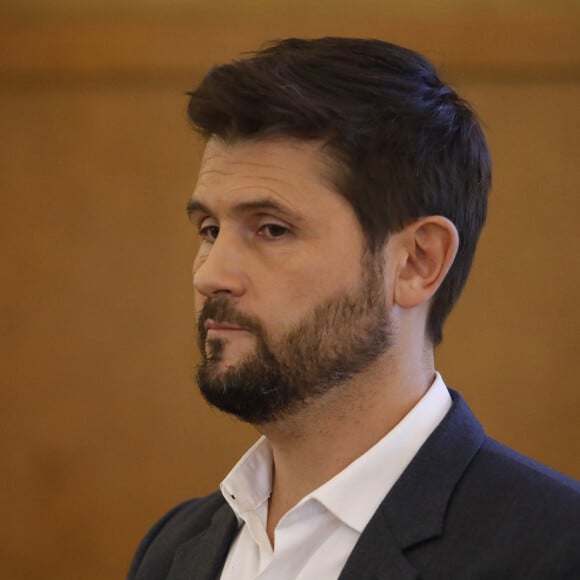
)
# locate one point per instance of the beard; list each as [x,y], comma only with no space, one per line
[339,339]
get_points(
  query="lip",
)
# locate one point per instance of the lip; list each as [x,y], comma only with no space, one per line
[214,325]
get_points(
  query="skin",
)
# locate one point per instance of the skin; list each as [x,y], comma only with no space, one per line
[278,263]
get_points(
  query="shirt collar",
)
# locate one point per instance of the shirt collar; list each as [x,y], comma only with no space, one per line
[354,494]
[249,484]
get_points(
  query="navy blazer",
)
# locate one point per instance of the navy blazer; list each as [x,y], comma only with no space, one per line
[465,508]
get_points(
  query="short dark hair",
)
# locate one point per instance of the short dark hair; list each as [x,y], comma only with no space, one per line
[404,144]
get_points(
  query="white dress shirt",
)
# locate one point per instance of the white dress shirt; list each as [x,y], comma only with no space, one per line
[315,538]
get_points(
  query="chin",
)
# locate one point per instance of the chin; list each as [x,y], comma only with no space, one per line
[230,357]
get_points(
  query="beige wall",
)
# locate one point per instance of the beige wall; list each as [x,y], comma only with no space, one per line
[102,428]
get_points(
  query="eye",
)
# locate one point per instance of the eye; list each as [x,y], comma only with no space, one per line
[273,231]
[208,231]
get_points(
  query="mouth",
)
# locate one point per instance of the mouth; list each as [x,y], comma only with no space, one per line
[215,327]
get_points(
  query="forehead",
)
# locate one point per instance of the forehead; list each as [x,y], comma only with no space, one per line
[295,173]
[253,157]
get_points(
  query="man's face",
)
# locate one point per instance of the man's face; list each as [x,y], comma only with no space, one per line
[289,303]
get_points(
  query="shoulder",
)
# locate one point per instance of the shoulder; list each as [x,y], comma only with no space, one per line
[507,489]
[517,492]
[511,515]
[501,476]
[508,467]
[177,526]
[498,468]
[470,507]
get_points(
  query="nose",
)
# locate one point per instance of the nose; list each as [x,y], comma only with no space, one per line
[220,270]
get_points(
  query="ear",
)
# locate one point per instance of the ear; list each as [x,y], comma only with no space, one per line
[426,249]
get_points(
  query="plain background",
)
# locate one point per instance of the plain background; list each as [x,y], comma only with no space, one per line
[102,429]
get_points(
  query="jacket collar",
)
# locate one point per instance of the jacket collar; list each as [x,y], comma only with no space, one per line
[204,555]
[414,511]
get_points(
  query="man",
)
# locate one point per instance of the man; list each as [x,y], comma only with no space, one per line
[339,202]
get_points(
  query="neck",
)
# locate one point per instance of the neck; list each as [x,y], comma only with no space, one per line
[330,432]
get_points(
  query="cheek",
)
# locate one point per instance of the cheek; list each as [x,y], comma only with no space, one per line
[294,295]
[198,302]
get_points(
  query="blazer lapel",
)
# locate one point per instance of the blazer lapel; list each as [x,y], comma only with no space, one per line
[377,555]
[414,510]
[203,557]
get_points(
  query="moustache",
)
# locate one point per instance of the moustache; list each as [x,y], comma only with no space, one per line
[221,309]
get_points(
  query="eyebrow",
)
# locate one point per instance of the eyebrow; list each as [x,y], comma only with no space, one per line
[195,206]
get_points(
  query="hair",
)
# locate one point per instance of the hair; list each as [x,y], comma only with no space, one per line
[403,144]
